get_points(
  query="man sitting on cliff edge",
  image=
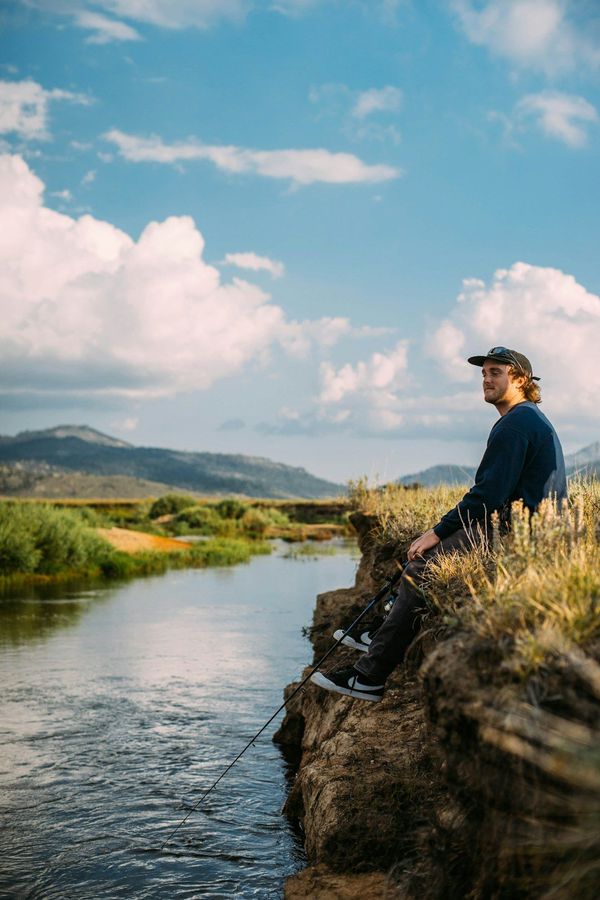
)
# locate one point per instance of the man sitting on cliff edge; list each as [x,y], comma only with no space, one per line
[523,461]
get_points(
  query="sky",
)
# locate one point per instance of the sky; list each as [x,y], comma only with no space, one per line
[280,227]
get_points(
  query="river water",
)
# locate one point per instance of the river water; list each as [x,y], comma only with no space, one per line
[119,706]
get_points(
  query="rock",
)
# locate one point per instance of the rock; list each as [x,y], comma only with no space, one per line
[464,782]
[318,883]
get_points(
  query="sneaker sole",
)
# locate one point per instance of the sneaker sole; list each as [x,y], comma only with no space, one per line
[323,682]
[349,641]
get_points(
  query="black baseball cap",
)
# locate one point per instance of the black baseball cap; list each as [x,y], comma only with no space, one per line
[506,357]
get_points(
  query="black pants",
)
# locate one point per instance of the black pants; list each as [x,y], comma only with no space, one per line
[393,638]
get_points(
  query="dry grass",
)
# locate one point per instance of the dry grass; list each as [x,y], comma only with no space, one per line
[535,590]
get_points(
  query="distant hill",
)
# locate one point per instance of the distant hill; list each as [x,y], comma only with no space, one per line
[588,458]
[26,479]
[80,449]
[584,462]
[440,475]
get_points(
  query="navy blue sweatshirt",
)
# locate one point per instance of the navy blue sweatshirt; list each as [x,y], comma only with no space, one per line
[523,461]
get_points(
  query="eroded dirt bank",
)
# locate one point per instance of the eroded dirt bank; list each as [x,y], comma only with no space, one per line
[464,782]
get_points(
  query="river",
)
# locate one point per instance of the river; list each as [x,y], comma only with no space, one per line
[120,705]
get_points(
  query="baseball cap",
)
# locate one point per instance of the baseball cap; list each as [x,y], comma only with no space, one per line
[506,357]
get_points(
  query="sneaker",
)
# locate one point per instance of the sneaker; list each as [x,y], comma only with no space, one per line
[349,682]
[360,641]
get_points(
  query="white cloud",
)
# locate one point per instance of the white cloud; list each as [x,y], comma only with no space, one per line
[175,13]
[366,395]
[325,332]
[542,312]
[105,30]
[446,346]
[386,99]
[89,177]
[255,263]
[360,111]
[538,34]
[85,309]
[63,195]
[24,107]
[302,167]
[561,116]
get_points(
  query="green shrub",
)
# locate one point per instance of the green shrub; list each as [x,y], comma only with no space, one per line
[42,539]
[18,552]
[255,522]
[170,504]
[230,508]
[202,519]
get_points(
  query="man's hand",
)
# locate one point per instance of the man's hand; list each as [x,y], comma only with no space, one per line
[422,544]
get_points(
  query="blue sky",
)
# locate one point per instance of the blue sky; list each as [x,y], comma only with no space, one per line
[279,228]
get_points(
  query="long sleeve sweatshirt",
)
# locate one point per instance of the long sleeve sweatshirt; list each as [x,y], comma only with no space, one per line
[523,460]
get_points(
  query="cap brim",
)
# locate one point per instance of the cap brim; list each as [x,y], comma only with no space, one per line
[479,361]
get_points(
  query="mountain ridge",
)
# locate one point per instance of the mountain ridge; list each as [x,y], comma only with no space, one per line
[585,461]
[79,448]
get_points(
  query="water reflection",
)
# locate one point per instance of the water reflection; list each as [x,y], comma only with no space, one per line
[120,707]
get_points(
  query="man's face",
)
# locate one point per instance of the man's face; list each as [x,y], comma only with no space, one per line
[498,385]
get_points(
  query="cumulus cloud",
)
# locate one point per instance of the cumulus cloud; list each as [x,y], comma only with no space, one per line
[542,312]
[105,30]
[87,309]
[366,394]
[538,34]
[24,107]
[560,116]
[301,167]
[386,99]
[255,263]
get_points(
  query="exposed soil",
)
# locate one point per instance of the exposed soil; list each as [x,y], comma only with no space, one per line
[137,541]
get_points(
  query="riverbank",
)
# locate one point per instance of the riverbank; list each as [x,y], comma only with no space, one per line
[478,774]
[66,541]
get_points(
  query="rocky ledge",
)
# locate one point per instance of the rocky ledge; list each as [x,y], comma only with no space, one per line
[464,782]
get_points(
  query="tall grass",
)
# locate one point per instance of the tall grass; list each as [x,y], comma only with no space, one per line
[535,590]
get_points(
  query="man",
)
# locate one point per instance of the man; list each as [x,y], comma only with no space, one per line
[523,461]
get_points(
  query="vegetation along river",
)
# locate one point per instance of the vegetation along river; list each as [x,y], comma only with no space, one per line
[121,705]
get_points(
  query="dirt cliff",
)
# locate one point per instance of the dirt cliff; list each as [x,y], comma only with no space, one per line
[464,782]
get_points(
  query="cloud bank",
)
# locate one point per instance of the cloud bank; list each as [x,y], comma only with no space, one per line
[86,309]
[544,313]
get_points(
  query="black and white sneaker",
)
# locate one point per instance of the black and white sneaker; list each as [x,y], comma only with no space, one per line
[358,640]
[349,682]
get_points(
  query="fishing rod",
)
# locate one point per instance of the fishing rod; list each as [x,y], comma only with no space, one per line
[378,596]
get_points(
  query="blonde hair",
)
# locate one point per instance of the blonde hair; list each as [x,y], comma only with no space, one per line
[529,388]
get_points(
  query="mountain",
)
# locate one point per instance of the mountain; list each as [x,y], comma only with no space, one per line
[587,457]
[585,462]
[447,474]
[83,432]
[83,449]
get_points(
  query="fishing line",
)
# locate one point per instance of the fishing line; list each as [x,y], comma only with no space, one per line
[378,596]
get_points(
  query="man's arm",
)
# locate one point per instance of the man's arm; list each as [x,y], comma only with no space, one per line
[495,481]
